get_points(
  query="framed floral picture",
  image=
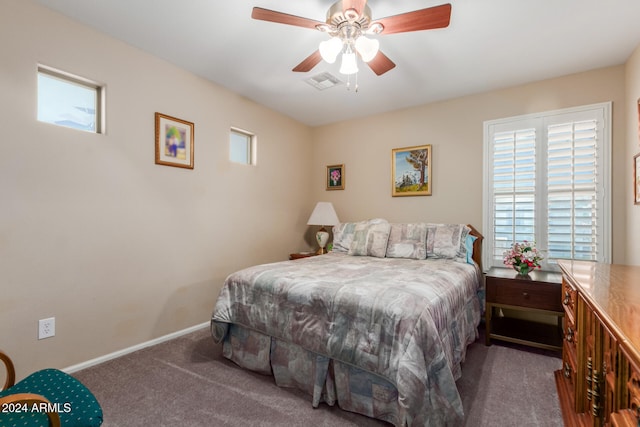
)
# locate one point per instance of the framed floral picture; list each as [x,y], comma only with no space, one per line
[636,179]
[335,177]
[174,142]
[411,171]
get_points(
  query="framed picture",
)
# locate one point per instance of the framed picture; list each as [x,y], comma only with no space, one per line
[174,142]
[636,179]
[638,121]
[411,171]
[335,177]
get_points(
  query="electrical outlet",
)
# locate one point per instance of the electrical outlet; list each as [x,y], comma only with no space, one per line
[46,328]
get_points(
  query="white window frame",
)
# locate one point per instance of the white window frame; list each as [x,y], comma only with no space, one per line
[541,121]
[251,141]
[72,79]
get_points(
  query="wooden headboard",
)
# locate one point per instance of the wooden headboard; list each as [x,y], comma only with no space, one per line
[477,245]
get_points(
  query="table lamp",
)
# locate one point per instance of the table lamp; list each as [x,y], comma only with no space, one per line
[323,215]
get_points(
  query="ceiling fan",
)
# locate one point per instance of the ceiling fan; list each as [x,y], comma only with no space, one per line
[349,23]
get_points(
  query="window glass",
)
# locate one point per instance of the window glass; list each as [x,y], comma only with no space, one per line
[241,147]
[65,101]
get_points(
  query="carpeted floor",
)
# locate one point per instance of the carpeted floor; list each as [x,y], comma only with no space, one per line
[186,382]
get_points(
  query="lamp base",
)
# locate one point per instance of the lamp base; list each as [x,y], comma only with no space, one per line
[322,237]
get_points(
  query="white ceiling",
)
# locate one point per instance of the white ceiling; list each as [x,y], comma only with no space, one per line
[489,44]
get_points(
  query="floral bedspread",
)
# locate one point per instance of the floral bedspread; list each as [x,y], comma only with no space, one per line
[406,320]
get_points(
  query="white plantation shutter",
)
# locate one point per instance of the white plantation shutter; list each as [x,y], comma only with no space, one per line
[546,180]
[514,187]
[572,191]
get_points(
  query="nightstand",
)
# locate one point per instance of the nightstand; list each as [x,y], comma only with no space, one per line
[536,296]
[302,255]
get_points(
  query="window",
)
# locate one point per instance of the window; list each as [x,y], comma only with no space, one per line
[547,180]
[69,101]
[242,147]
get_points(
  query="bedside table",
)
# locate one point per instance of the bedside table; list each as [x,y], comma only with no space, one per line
[540,292]
[302,255]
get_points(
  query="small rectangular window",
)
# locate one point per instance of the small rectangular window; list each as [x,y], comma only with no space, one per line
[69,101]
[242,147]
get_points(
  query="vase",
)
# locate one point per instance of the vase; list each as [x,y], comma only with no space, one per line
[523,269]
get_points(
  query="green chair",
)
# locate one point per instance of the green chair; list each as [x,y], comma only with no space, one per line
[46,398]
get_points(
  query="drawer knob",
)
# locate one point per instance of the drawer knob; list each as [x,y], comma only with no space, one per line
[525,294]
[567,370]
[567,298]
[569,334]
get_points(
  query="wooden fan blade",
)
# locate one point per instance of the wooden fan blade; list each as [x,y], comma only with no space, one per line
[357,5]
[283,18]
[423,19]
[381,64]
[309,62]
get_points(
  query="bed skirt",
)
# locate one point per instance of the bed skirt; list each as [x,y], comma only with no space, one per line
[326,380]
[332,381]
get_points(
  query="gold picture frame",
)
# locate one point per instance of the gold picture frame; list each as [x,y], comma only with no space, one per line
[174,142]
[335,177]
[411,171]
[636,179]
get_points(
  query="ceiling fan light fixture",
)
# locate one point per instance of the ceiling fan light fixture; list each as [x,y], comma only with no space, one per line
[329,49]
[367,48]
[349,63]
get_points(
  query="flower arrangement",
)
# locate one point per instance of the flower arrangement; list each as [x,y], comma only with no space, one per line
[335,177]
[523,257]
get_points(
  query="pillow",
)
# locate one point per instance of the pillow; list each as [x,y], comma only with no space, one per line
[343,236]
[407,241]
[370,239]
[469,241]
[447,241]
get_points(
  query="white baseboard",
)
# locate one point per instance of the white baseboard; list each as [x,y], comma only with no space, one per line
[131,349]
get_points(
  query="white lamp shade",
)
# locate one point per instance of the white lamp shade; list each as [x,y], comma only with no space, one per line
[367,48]
[349,64]
[323,214]
[329,49]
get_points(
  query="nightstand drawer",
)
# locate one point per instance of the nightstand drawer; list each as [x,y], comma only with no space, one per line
[523,293]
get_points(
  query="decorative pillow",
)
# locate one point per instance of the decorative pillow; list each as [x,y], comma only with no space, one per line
[469,241]
[370,239]
[407,241]
[447,241]
[343,236]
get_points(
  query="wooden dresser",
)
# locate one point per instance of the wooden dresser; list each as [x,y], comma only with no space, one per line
[599,383]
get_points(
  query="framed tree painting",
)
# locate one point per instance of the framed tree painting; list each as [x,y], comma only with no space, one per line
[335,177]
[174,142]
[411,171]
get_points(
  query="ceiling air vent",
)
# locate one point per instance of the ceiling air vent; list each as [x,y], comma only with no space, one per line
[323,81]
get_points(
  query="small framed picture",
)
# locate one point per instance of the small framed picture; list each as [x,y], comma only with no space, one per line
[411,171]
[335,177]
[638,121]
[174,142]
[636,179]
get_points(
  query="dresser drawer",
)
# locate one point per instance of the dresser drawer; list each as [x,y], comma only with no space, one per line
[524,293]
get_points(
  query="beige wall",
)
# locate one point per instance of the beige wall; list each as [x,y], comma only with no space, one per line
[632,250]
[118,249]
[455,130]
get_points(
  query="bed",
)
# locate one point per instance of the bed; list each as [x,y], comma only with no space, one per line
[380,325]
